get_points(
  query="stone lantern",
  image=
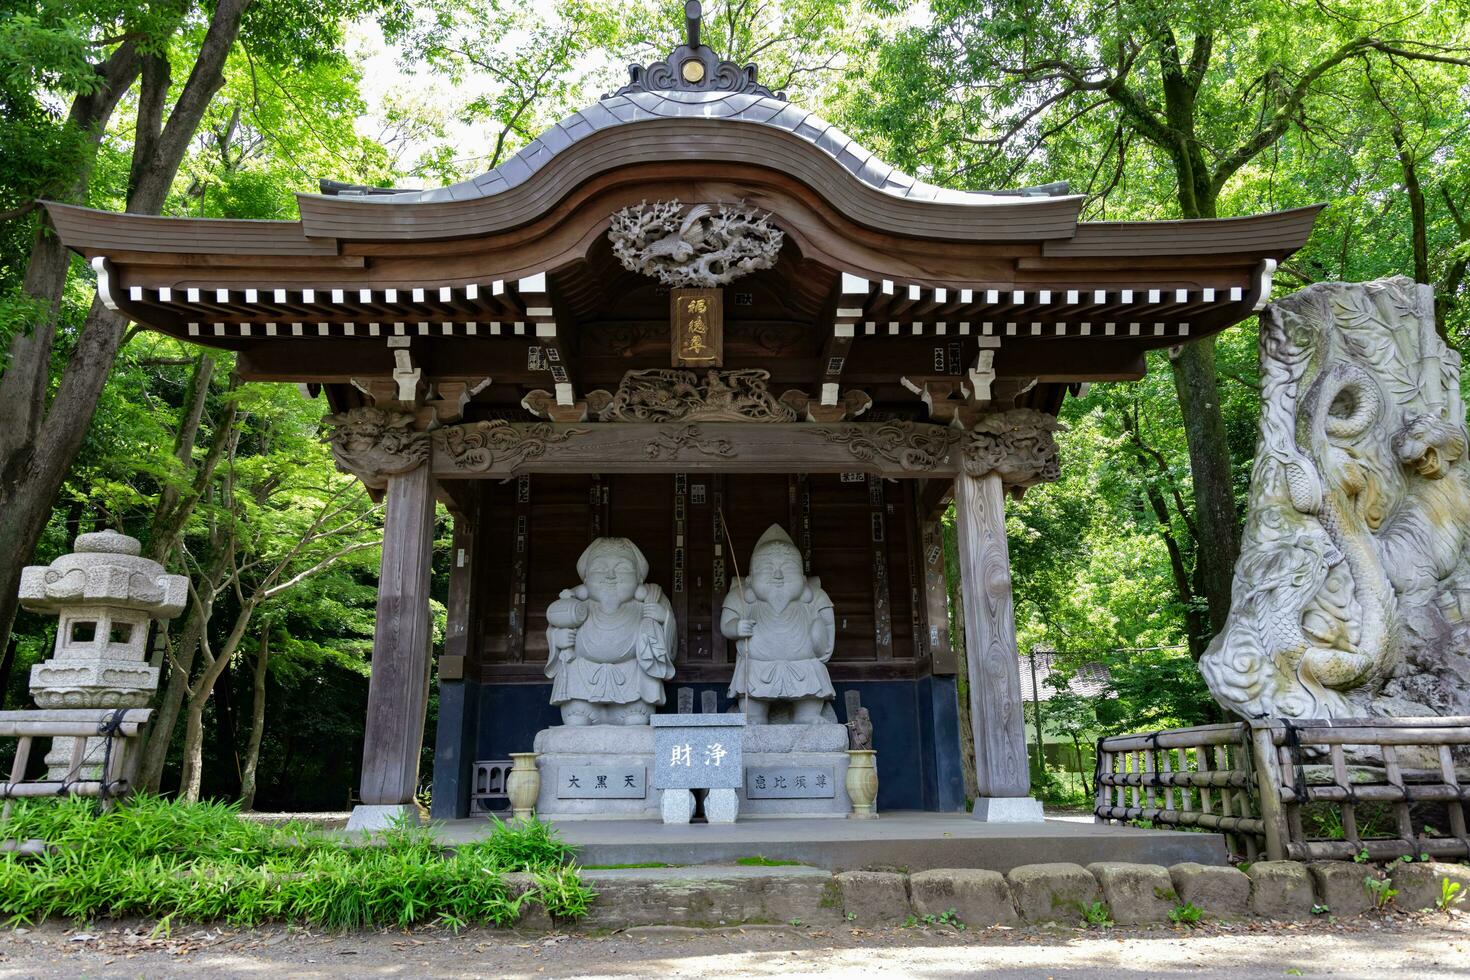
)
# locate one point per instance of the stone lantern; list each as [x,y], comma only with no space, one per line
[105,594]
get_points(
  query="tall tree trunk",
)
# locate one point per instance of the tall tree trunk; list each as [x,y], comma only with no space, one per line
[226,734]
[191,779]
[7,664]
[178,669]
[174,503]
[1218,544]
[257,723]
[1197,388]
[40,441]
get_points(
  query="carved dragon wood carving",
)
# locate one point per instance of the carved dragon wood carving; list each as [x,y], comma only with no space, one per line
[674,395]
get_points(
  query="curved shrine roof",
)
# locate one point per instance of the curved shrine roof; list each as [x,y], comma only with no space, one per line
[743,107]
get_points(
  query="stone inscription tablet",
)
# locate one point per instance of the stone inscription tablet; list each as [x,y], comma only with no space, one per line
[789,782]
[698,751]
[601,782]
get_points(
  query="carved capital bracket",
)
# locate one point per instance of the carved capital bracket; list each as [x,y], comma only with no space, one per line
[543,404]
[373,444]
[852,404]
[1018,446]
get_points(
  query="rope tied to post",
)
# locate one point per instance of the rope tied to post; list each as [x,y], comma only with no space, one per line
[109,728]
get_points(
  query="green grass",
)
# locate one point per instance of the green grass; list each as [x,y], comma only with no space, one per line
[760,861]
[201,862]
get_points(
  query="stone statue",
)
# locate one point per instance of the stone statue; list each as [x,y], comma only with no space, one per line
[1352,593]
[784,631]
[611,640]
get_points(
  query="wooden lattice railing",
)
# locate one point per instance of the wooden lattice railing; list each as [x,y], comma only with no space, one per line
[102,762]
[1374,788]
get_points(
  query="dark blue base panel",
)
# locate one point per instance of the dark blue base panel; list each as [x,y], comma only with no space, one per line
[915,730]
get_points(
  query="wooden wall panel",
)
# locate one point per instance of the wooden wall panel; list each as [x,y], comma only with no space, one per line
[839,516]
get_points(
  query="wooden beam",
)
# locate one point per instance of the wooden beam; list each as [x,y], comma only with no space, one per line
[680,584]
[515,639]
[882,600]
[496,450]
[339,360]
[719,579]
[934,498]
[996,711]
[549,349]
[459,630]
[398,688]
[852,298]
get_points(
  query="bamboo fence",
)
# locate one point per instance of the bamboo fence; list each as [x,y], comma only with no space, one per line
[107,771]
[1257,782]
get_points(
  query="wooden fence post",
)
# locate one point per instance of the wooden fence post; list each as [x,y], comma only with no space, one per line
[1268,788]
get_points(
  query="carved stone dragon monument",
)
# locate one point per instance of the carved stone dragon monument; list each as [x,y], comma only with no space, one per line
[1352,593]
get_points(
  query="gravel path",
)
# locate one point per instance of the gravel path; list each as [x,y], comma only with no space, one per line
[1419,946]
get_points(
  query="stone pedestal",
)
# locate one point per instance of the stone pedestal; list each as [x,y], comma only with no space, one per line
[1008,809]
[373,817]
[789,751]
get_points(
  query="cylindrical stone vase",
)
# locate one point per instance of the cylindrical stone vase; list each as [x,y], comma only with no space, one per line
[862,783]
[523,785]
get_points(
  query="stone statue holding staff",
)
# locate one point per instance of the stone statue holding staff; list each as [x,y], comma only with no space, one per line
[784,631]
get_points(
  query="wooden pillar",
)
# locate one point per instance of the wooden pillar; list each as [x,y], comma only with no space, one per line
[398,690]
[459,690]
[996,711]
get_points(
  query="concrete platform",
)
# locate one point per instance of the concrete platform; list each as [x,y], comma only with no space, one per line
[911,841]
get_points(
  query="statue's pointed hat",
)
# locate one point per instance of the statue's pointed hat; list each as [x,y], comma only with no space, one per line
[775,534]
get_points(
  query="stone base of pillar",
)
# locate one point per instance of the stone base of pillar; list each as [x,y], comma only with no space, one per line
[1008,809]
[385,816]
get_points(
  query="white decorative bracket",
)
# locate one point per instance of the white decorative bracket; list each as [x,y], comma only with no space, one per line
[1265,272]
[103,268]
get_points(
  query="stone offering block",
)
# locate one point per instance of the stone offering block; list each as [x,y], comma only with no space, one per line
[698,751]
[789,783]
[601,782]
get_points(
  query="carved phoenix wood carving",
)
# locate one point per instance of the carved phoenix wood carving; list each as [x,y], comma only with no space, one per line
[710,245]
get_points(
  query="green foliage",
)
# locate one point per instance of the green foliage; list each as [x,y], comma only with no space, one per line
[1381,890]
[1097,915]
[949,917]
[1186,914]
[527,845]
[1450,893]
[201,862]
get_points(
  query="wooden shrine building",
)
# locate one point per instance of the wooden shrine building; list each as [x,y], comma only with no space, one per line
[692,301]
